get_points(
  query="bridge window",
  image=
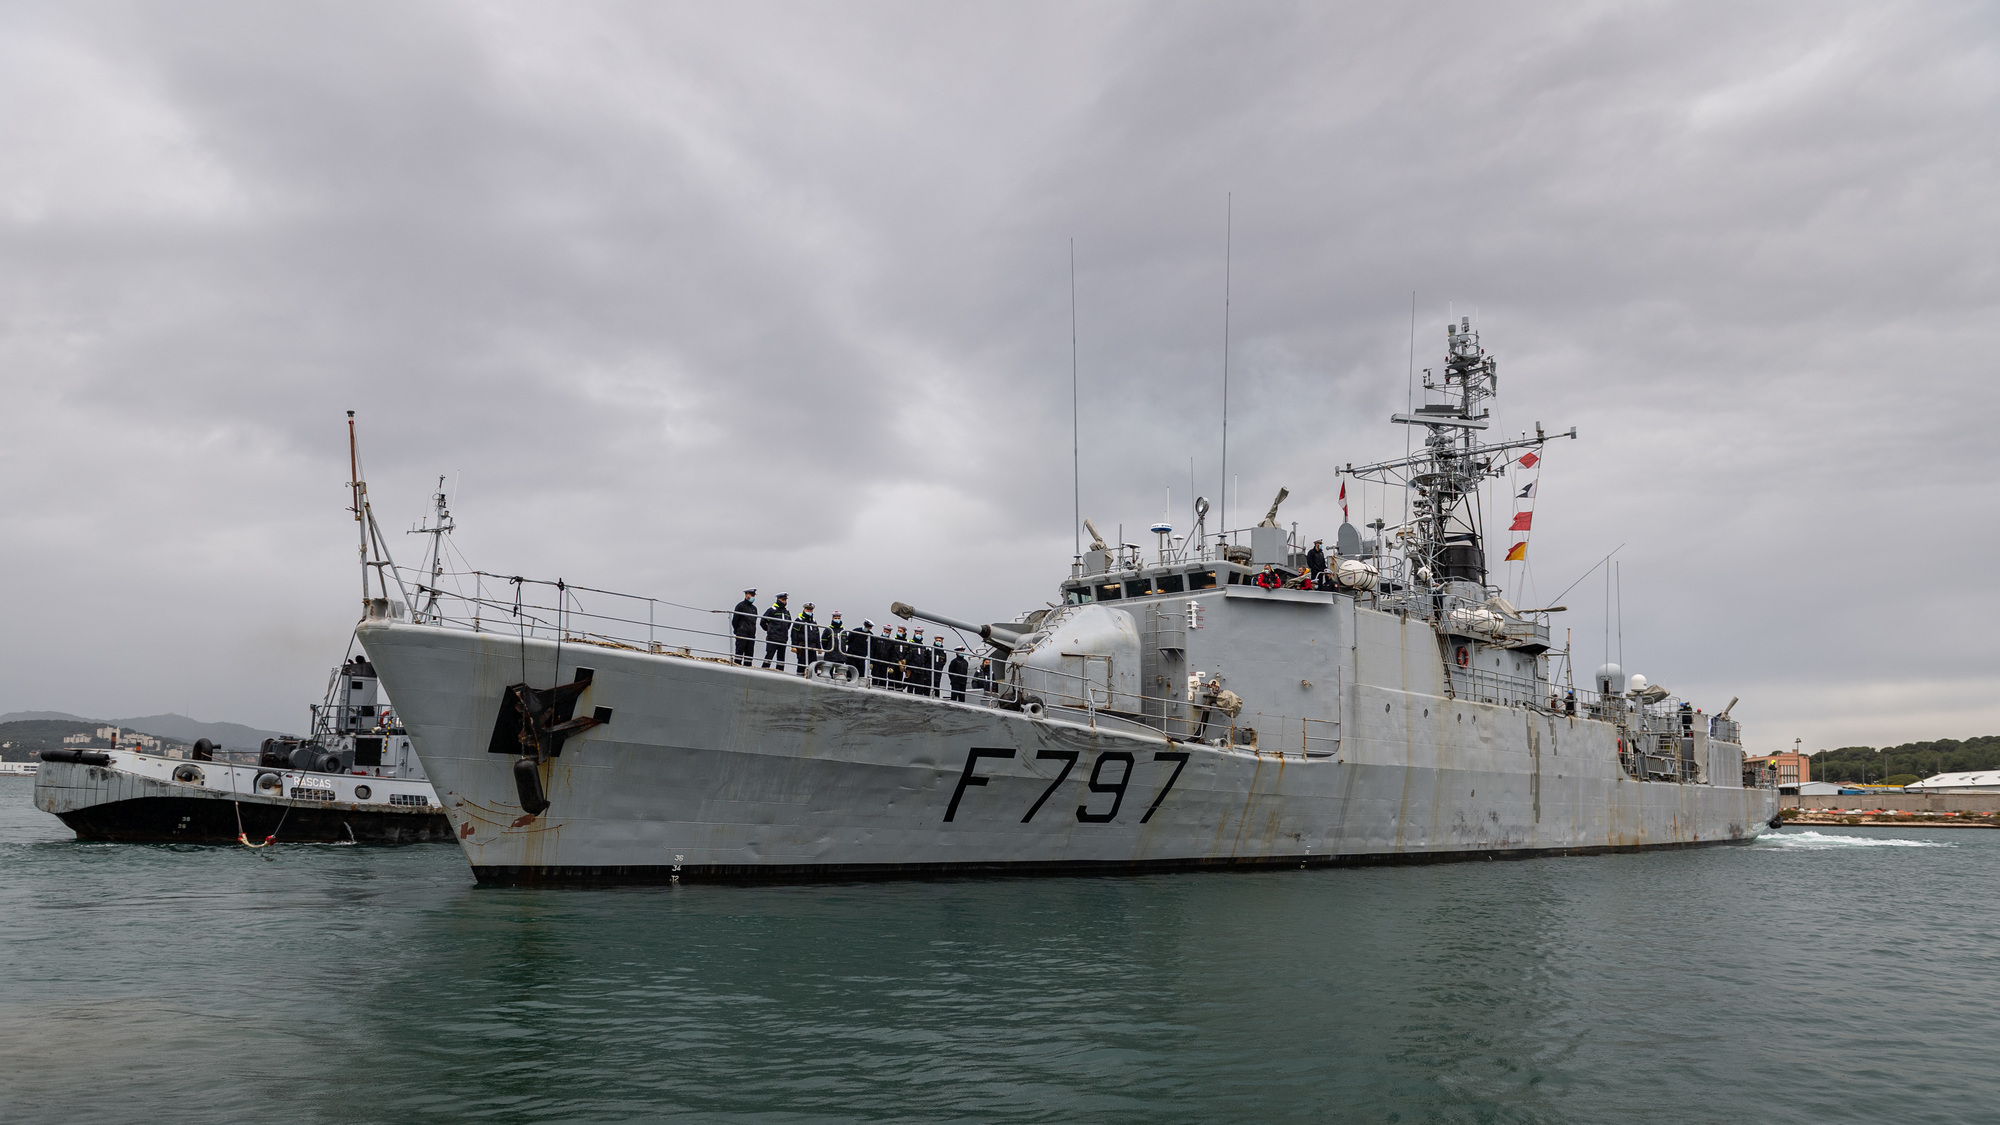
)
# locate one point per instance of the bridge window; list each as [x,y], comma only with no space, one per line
[1201,580]
[1170,583]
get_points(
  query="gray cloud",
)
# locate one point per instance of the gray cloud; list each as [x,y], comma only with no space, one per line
[692,297]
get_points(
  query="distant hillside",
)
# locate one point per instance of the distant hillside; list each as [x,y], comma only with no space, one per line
[22,738]
[1946,755]
[234,736]
[23,733]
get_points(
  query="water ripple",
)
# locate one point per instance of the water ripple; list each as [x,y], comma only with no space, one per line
[1808,978]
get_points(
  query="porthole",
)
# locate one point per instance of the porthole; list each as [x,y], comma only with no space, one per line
[362,792]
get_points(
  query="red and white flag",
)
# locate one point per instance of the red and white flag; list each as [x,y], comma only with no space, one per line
[1343,501]
[1528,460]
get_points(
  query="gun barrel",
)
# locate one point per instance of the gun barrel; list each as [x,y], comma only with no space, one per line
[998,636]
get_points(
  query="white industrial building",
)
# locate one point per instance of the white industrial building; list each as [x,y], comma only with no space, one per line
[1980,781]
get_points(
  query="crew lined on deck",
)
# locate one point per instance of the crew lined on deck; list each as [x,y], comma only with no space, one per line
[898,662]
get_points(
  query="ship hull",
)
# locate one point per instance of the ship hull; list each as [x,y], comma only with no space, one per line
[707,770]
[110,803]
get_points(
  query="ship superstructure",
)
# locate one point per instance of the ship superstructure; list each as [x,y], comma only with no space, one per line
[1205,705]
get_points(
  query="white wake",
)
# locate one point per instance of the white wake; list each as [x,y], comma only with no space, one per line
[1813,841]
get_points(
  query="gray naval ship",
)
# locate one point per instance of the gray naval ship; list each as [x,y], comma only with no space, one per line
[1203,705]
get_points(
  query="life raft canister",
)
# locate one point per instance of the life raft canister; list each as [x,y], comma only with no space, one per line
[1464,656]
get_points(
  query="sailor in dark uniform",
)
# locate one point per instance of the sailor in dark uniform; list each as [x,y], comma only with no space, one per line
[938,662]
[777,631]
[854,647]
[957,670]
[899,656]
[1316,565]
[831,641]
[805,639]
[743,623]
[881,655]
[919,664]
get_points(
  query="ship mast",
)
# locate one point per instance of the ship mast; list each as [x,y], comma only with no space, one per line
[1447,542]
[358,505]
[372,542]
[437,532]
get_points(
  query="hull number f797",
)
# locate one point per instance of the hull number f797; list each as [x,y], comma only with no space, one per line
[1110,776]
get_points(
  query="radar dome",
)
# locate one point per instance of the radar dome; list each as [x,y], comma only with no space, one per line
[1611,680]
[1638,682]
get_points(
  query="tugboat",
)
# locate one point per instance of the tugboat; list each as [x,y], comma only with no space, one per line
[355,780]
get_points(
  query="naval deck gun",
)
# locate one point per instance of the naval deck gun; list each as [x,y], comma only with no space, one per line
[1004,637]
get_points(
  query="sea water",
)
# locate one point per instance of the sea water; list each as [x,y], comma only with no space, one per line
[1820,975]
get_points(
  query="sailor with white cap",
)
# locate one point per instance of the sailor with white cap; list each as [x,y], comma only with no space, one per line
[743,624]
[806,638]
[777,631]
[957,671]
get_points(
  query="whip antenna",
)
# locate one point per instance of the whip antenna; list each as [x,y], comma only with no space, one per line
[1228,243]
[1075,458]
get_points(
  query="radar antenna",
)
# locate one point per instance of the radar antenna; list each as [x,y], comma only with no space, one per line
[1446,543]
[435,563]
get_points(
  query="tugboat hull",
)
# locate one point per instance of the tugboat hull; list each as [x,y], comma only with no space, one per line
[107,802]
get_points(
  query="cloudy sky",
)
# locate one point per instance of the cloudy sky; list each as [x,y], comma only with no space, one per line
[686,297]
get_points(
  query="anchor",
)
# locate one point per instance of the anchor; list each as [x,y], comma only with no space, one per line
[534,723]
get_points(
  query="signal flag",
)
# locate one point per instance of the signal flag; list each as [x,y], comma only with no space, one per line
[1522,520]
[1528,460]
[1517,552]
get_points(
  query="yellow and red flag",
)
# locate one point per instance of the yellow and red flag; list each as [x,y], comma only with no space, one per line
[1517,552]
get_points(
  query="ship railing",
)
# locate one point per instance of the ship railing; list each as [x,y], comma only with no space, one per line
[570,614]
[1658,764]
[1486,685]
